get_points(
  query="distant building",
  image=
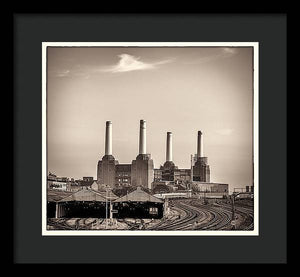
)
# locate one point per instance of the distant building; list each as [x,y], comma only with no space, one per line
[201,170]
[170,172]
[86,182]
[75,187]
[158,175]
[182,175]
[88,179]
[210,190]
[58,183]
[123,175]
[141,171]
[68,184]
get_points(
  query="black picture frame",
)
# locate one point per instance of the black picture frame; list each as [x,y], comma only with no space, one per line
[30,30]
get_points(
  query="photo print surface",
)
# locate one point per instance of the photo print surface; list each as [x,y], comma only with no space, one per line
[150,138]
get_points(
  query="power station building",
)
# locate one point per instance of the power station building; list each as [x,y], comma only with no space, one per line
[141,172]
[169,172]
[142,168]
[201,171]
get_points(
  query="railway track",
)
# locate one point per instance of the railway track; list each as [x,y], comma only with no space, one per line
[193,215]
[175,223]
[220,218]
[59,224]
[64,224]
[191,218]
[132,225]
[197,216]
[246,212]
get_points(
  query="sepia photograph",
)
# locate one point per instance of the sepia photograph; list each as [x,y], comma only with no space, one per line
[150,138]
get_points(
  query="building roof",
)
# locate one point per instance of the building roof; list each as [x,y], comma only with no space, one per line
[110,195]
[84,195]
[138,196]
[102,190]
[56,195]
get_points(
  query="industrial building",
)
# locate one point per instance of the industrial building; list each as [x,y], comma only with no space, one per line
[201,171]
[210,190]
[141,190]
[100,204]
[123,175]
[169,172]
[197,178]
[139,204]
[139,173]
[244,193]
[83,203]
[91,196]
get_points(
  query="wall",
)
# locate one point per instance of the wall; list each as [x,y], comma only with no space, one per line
[106,171]
[142,171]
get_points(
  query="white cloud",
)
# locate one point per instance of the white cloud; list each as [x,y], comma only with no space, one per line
[70,73]
[125,64]
[131,63]
[62,73]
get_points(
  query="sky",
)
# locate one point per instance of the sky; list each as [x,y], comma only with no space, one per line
[175,89]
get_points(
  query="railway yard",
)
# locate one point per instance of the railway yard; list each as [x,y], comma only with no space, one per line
[183,214]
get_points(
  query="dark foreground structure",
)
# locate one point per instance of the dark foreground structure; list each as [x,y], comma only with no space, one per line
[53,196]
[84,203]
[88,203]
[138,204]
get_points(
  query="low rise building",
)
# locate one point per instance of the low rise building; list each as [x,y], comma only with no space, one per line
[58,183]
[210,190]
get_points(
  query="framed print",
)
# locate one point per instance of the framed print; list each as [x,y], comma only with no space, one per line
[150,131]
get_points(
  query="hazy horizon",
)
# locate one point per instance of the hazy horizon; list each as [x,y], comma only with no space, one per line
[175,89]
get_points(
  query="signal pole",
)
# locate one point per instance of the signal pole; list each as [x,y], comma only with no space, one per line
[110,209]
[233,221]
[107,188]
[191,171]
[233,208]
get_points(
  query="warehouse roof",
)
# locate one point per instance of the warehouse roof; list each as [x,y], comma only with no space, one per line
[84,195]
[110,195]
[138,196]
[56,195]
[101,189]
